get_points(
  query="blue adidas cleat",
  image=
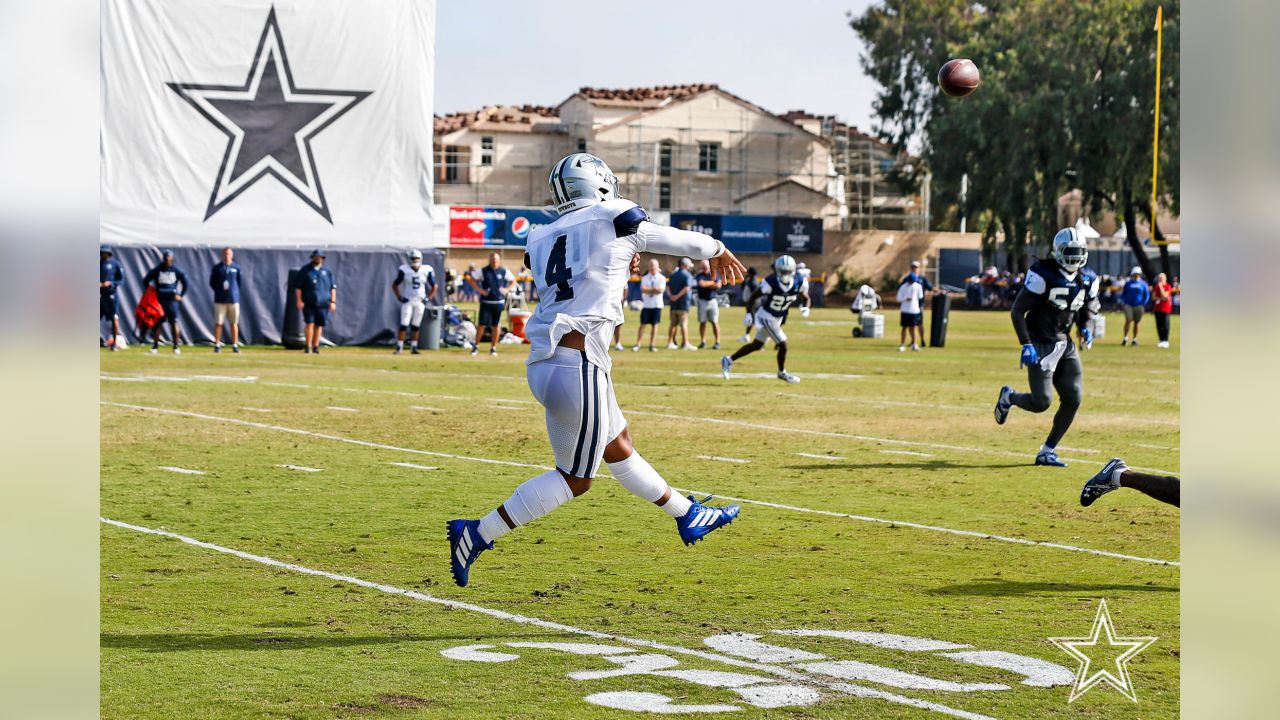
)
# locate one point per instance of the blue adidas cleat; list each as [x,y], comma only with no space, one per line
[702,519]
[465,545]
[726,364]
[1102,483]
[1003,404]
[1050,458]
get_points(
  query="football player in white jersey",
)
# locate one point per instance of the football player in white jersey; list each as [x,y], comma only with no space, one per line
[581,263]
[777,294]
[414,284]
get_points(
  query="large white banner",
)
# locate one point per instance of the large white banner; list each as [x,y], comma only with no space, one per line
[253,122]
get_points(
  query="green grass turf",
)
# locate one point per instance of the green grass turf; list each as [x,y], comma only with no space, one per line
[188,632]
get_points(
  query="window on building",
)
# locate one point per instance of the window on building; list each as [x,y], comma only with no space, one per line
[486,150]
[582,144]
[666,149]
[709,157]
[664,196]
[451,164]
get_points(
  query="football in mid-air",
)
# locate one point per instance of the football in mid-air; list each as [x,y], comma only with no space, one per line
[958,77]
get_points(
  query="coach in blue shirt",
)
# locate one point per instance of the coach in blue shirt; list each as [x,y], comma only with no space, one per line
[224,279]
[1134,297]
[110,277]
[317,296]
[679,289]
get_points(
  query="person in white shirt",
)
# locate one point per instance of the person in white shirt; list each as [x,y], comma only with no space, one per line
[910,295]
[652,288]
[580,263]
[415,283]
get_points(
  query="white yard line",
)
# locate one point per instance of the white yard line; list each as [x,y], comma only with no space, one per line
[906,452]
[815,456]
[867,438]
[381,446]
[300,468]
[1156,447]
[717,458]
[425,408]
[773,376]
[339,408]
[181,470]
[414,466]
[776,670]
[256,409]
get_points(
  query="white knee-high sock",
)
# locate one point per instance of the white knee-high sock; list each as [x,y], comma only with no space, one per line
[533,499]
[638,476]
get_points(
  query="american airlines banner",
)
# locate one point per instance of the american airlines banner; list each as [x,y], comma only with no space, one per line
[260,123]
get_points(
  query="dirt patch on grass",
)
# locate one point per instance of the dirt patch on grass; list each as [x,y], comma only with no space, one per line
[403,701]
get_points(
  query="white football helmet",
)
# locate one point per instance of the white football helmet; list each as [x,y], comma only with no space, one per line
[415,259]
[579,180]
[785,266]
[1069,249]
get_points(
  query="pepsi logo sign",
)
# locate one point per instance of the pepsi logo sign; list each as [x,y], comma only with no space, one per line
[520,227]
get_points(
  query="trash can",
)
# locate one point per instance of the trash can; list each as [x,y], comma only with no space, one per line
[432,324]
[938,327]
[292,327]
[1098,323]
[872,326]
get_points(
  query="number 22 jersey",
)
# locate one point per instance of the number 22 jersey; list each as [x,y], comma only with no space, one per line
[581,264]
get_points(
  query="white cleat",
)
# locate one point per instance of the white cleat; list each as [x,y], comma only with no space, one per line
[672,346]
[618,347]
[902,348]
[788,377]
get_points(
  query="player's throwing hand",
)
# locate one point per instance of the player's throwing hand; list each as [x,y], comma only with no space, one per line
[727,268]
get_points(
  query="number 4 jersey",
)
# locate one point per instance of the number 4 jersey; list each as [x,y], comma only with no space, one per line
[1056,298]
[581,264]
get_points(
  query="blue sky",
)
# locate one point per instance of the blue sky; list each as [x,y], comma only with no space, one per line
[782,55]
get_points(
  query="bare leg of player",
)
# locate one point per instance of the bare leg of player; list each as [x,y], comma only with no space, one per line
[1115,475]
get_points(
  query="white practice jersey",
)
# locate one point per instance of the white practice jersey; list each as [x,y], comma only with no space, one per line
[414,284]
[581,264]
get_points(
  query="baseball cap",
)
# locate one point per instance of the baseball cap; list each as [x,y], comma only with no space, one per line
[915,263]
[1137,270]
[317,252]
[106,249]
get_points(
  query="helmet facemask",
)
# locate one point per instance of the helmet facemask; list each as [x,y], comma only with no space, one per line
[1070,250]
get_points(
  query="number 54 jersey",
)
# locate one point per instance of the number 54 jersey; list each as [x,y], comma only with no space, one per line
[581,263]
[1059,297]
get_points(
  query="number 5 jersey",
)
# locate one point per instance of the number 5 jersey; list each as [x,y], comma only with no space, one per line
[581,264]
[1051,300]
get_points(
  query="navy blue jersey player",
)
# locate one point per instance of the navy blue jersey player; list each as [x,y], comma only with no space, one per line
[779,291]
[171,284]
[1059,291]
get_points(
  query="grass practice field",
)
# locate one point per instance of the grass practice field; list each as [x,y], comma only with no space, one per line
[860,580]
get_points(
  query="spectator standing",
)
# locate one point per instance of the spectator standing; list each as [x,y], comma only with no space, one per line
[707,286]
[317,296]
[1162,307]
[1134,298]
[171,284]
[494,284]
[680,293]
[110,278]
[910,295]
[224,280]
[652,287]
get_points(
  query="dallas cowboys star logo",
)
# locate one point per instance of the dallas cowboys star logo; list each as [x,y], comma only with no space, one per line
[269,123]
[1103,674]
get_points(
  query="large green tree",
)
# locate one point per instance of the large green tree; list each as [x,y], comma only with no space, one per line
[1065,102]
